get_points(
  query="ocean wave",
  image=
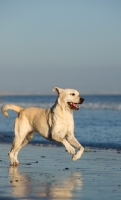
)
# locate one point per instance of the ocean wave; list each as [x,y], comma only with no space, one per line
[26,105]
[7,137]
[89,105]
[103,106]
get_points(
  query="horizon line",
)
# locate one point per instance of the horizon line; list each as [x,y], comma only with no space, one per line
[53,94]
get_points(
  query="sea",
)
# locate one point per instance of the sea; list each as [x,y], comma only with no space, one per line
[97,123]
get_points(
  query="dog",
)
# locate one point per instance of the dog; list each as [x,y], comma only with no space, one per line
[55,123]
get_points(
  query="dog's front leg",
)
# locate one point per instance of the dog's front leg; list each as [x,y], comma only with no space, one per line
[59,137]
[74,142]
[68,147]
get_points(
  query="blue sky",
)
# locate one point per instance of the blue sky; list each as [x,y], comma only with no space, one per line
[66,43]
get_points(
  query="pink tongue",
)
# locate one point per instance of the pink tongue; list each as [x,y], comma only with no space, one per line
[75,105]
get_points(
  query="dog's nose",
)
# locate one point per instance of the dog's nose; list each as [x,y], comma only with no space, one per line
[81,100]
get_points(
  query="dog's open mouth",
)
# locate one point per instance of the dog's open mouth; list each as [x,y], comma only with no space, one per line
[73,106]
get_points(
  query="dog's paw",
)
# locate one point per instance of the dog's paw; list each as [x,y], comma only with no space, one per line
[14,164]
[77,155]
[71,150]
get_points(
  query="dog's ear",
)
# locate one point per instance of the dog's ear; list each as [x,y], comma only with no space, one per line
[58,90]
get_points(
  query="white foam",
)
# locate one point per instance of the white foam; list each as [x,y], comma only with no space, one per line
[25,105]
[104,106]
[89,105]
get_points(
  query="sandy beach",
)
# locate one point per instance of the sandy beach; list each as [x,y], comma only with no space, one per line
[49,173]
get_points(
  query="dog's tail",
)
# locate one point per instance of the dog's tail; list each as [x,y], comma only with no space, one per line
[11,107]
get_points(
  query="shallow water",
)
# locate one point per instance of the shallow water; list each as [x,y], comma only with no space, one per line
[49,173]
[97,123]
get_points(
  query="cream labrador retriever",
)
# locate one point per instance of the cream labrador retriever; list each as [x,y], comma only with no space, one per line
[54,124]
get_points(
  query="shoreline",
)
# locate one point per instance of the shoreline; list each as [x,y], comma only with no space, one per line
[55,144]
[49,173]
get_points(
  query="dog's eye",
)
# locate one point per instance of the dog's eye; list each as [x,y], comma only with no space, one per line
[72,94]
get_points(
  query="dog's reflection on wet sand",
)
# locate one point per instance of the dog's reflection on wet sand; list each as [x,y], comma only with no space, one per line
[27,184]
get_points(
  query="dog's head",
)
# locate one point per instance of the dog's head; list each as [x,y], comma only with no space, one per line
[70,97]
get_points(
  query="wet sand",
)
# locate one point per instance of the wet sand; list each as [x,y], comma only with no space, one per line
[48,173]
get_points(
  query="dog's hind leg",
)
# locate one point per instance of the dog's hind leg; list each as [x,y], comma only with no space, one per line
[27,139]
[21,129]
[15,146]
[74,142]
